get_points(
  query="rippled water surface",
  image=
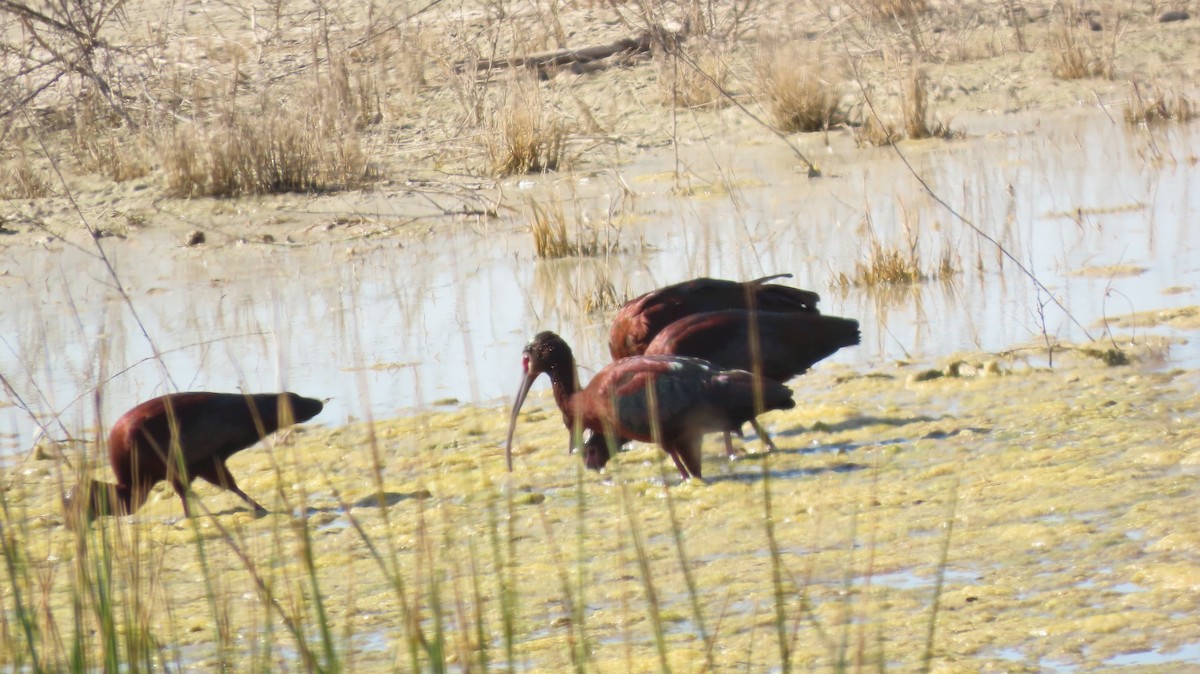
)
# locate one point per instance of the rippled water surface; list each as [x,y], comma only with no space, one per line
[382,326]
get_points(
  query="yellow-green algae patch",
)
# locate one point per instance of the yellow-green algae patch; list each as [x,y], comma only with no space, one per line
[1182,318]
[1067,498]
[1110,271]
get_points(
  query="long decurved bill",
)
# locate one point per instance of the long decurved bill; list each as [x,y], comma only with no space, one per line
[512,421]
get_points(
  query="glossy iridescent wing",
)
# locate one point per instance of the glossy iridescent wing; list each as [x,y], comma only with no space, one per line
[662,388]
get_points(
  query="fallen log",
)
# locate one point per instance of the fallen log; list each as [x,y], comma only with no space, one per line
[542,61]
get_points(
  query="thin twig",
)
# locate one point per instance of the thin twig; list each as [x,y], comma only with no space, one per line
[953,212]
[92,232]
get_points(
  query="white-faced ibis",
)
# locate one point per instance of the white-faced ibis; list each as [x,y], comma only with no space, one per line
[671,400]
[771,344]
[642,318]
[182,436]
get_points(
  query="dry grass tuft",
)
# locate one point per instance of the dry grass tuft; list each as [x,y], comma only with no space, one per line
[246,154]
[897,265]
[112,156]
[917,125]
[549,227]
[271,149]
[525,137]
[896,9]
[1157,107]
[799,99]
[1072,60]
[697,78]
[1112,356]
[552,240]
[876,132]
[103,142]
[355,95]
[603,296]
[19,180]
[1068,61]
[885,266]
[916,113]
[948,265]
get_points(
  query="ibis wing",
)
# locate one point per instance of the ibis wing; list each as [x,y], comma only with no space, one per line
[642,318]
[656,389]
[208,425]
[779,345]
[709,294]
[773,297]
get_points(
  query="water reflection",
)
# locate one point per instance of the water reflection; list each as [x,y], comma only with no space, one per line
[384,326]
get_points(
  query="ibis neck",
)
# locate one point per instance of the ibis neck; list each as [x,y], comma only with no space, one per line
[564,379]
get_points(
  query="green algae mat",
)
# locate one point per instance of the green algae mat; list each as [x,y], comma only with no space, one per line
[1000,517]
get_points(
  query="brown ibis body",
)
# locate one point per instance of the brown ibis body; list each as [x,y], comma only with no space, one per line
[671,400]
[778,345]
[642,318]
[182,436]
[772,344]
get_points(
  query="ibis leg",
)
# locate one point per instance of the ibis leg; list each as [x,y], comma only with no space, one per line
[219,475]
[766,437]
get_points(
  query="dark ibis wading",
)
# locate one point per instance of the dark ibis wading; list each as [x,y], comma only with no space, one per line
[771,344]
[671,400]
[182,436]
[642,318]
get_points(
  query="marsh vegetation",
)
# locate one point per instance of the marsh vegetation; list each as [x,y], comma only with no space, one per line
[397,196]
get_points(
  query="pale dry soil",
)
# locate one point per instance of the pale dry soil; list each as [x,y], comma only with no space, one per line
[384,76]
[1065,499]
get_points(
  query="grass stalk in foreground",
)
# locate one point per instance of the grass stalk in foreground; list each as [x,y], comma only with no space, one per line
[414,637]
[220,622]
[581,557]
[860,654]
[944,556]
[266,593]
[437,646]
[505,570]
[481,630]
[781,631]
[843,643]
[656,620]
[16,564]
[462,622]
[576,636]
[688,578]
[304,532]
[623,559]
[749,658]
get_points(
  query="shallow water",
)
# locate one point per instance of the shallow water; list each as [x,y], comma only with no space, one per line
[383,326]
